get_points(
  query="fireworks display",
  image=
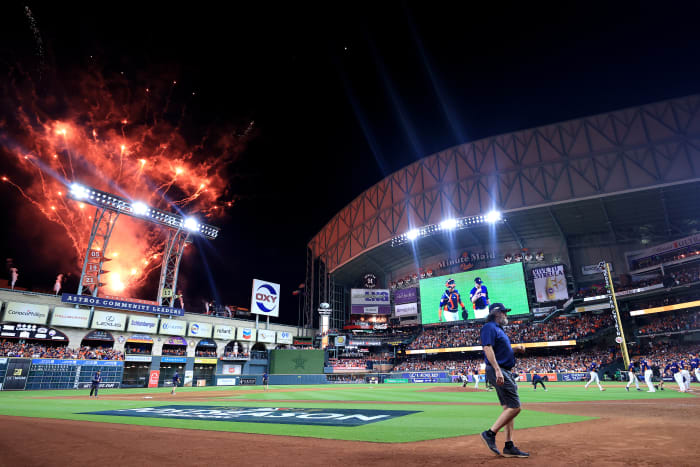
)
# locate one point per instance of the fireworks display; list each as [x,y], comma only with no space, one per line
[109,135]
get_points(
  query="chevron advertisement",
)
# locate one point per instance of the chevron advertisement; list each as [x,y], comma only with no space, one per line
[246,334]
[265,298]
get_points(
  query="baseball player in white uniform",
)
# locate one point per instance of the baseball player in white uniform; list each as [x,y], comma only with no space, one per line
[685,374]
[633,377]
[648,374]
[593,369]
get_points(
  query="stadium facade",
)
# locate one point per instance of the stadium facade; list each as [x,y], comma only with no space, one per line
[571,193]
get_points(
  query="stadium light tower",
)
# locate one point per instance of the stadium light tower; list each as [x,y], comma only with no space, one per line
[108,207]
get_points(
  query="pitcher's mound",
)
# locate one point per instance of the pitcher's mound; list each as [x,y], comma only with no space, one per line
[455,388]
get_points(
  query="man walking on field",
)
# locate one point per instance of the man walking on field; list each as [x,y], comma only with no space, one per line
[499,358]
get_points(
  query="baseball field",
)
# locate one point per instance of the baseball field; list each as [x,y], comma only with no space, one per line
[389,424]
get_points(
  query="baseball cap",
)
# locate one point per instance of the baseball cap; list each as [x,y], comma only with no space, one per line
[450,283]
[478,280]
[498,307]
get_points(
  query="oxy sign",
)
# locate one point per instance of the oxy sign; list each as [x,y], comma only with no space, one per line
[265,299]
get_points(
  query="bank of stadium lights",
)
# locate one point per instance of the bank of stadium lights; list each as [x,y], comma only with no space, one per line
[140,209]
[447,225]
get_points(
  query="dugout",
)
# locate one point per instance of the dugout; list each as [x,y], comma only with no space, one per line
[137,367]
[168,369]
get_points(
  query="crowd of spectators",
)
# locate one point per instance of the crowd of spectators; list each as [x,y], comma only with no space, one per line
[178,351]
[137,349]
[205,353]
[680,321]
[689,252]
[354,363]
[562,362]
[562,328]
[13,348]
[673,278]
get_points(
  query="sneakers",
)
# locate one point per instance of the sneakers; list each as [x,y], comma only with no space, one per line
[514,452]
[638,389]
[628,388]
[490,442]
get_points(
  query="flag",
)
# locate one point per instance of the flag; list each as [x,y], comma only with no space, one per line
[302,285]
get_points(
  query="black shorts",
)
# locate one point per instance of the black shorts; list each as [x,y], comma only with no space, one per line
[508,391]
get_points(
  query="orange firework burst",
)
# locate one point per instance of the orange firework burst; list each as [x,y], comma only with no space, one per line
[141,156]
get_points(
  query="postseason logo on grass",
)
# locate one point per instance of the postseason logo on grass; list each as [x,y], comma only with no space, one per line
[284,415]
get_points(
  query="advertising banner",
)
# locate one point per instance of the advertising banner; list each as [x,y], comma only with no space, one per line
[225,381]
[70,317]
[173,359]
[424,376]
[225,333]
[16,374]
[140,339]
[340,341]
[173,327]
[246,334]
[370,310]
[17,312]
[407,309]
[369,297]
[199,329]
[205,361]
[103,302]
[265,298]
[31,331]
[267,336]
[189,375]
[593,269]
[138,358]
[177,340]
[574,376]
[229,369]
[249,381]
[145,324]
[550,283]
[285,337]
[99,336]
[153,379]
[109,321]
[409,295]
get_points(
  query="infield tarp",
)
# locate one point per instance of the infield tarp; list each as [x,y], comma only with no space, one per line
[279,415]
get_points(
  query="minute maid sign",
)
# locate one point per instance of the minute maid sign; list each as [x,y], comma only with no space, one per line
[265,299]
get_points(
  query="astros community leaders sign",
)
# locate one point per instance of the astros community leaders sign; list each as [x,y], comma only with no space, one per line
[101,302]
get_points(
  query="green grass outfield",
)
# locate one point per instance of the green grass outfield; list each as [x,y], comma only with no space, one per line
[432,421]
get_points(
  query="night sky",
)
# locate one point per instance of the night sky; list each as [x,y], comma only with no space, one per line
[341,97]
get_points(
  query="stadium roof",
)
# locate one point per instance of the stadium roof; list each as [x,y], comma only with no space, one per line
[655,215]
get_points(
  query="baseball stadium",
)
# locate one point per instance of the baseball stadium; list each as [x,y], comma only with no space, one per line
[583,236]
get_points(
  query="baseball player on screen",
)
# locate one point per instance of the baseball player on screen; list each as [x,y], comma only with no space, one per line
[593,370]
[448,303]
[633,377]
[479,296]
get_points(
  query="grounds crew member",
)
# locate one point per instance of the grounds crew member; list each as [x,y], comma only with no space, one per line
[499,358]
